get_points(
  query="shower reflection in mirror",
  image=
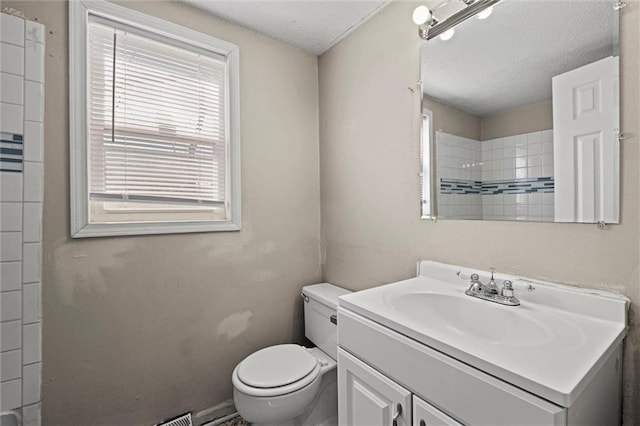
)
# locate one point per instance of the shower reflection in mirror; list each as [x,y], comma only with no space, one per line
[520,118]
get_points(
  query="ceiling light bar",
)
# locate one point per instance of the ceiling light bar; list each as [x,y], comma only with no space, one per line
[436,28]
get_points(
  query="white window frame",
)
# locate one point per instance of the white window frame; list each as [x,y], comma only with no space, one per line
[79,12]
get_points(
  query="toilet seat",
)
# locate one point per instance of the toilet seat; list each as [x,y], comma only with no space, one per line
[276,370]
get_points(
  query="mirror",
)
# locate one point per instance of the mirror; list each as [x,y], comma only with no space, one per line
[521,114]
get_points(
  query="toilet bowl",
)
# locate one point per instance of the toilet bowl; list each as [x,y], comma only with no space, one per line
[290,384]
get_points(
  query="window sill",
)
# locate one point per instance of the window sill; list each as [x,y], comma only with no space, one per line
[151,228]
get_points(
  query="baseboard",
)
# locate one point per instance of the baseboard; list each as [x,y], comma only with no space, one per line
[208,416]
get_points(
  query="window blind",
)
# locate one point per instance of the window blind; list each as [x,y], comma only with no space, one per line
[157,117]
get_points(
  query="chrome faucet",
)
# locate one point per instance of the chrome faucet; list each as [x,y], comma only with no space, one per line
[490,291]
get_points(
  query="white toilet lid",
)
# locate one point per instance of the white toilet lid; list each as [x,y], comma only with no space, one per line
[276,366]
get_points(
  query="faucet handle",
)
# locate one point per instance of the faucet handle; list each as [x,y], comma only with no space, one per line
[507,288]
[475,277]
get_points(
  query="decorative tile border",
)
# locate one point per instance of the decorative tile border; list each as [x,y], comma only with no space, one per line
[514,186]
[460,186]
[11,152]
[519,186]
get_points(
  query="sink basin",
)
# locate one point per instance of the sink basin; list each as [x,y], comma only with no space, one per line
[472,318]
[550,345]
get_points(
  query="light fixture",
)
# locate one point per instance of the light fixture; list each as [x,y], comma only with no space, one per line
[485,13]
[424,19]
[429,27]
[422,15]
[447,34]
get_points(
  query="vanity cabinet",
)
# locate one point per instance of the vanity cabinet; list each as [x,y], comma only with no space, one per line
[425,414]
[379,368]
[368,397]
[424,349]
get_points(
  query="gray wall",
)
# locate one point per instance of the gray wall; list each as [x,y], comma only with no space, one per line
[369,145]
[452,120]
[516,121]
[137,329]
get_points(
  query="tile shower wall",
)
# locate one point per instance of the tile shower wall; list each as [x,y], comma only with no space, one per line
[507,178]
[517,177]
[459,172]
[21,195]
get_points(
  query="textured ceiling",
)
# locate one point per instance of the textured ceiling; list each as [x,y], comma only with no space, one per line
[311,25]
[508,60]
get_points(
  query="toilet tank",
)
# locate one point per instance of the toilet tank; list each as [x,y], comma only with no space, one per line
[320,316]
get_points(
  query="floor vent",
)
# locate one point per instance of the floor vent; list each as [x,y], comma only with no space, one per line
[183,420]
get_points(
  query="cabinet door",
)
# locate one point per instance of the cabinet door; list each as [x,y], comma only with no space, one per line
[425,414]
[368,398]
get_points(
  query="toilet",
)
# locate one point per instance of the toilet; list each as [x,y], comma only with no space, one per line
[289,384]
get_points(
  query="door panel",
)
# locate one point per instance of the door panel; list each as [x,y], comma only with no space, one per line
[425,414]
[585,143]
[368,398]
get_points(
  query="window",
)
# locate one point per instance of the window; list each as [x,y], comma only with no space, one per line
[428,191]
[154,126]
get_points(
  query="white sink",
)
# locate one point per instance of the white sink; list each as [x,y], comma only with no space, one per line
[473,318]
[550,345]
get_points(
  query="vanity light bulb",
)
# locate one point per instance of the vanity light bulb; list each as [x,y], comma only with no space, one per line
[447,34]
[485,13]
[421,15]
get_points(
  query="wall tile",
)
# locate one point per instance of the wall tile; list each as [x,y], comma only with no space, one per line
[10,335]
[10,395]
[34,61]
[535,137]
[31,415]
[10,216]
[31,304]
[535,149]
[10,365]
[31,264]
[11,89]
[10,249]
[11,117]
[10,186]
[10,305]
[32,222]
[534,161]
[33,141]
[21,98]
[521,151]
[33,105]
[31,348]
[509,174]
[510,152]
[34,31]
[11,59]
[12,29]
[10,276]
[509,142]
[31,383]
[33,181]
[534,171]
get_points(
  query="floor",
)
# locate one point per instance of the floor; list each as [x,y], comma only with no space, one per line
[238,421]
